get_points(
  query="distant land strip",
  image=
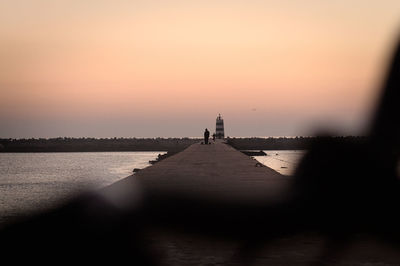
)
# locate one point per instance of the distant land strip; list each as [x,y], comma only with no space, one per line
[172,145]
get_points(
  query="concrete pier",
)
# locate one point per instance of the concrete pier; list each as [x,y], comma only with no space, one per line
[214,171]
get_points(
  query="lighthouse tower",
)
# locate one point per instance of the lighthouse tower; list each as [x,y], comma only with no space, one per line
[219,128]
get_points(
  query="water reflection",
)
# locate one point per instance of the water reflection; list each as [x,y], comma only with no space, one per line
[282,161]
[34,181]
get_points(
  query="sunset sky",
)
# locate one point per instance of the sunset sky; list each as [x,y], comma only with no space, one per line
[167,68]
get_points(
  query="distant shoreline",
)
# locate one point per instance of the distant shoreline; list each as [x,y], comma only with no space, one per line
[155,144]
[283,143]
[95,145]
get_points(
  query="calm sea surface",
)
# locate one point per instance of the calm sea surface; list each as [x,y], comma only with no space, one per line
[33,181]
[282,161]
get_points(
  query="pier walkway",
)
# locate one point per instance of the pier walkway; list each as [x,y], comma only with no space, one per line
[210,174]
[213,171]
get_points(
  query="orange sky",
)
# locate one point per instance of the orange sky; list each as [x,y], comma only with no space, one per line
[167,68]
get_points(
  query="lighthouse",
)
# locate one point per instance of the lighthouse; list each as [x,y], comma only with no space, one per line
[219,128]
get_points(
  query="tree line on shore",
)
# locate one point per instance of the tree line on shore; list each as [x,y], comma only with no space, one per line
[284,143]
[153,144]
[95,144]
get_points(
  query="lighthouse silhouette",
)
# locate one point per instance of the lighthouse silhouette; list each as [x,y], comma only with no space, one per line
[219,127]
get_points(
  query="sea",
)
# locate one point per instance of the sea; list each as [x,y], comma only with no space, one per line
[31,182]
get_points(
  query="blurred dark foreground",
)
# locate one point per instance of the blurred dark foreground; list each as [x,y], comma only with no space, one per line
[342,193]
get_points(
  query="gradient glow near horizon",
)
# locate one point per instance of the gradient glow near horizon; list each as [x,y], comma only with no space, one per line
[167,68]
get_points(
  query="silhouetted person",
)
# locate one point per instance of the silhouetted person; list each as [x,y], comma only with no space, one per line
[213,137]
[206,136]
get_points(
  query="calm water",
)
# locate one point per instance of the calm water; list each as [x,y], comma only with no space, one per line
[33,181]
[284,162]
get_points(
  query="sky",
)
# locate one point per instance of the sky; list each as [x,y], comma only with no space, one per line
[167,68]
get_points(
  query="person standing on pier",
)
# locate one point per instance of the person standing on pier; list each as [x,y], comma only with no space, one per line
[206,136]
